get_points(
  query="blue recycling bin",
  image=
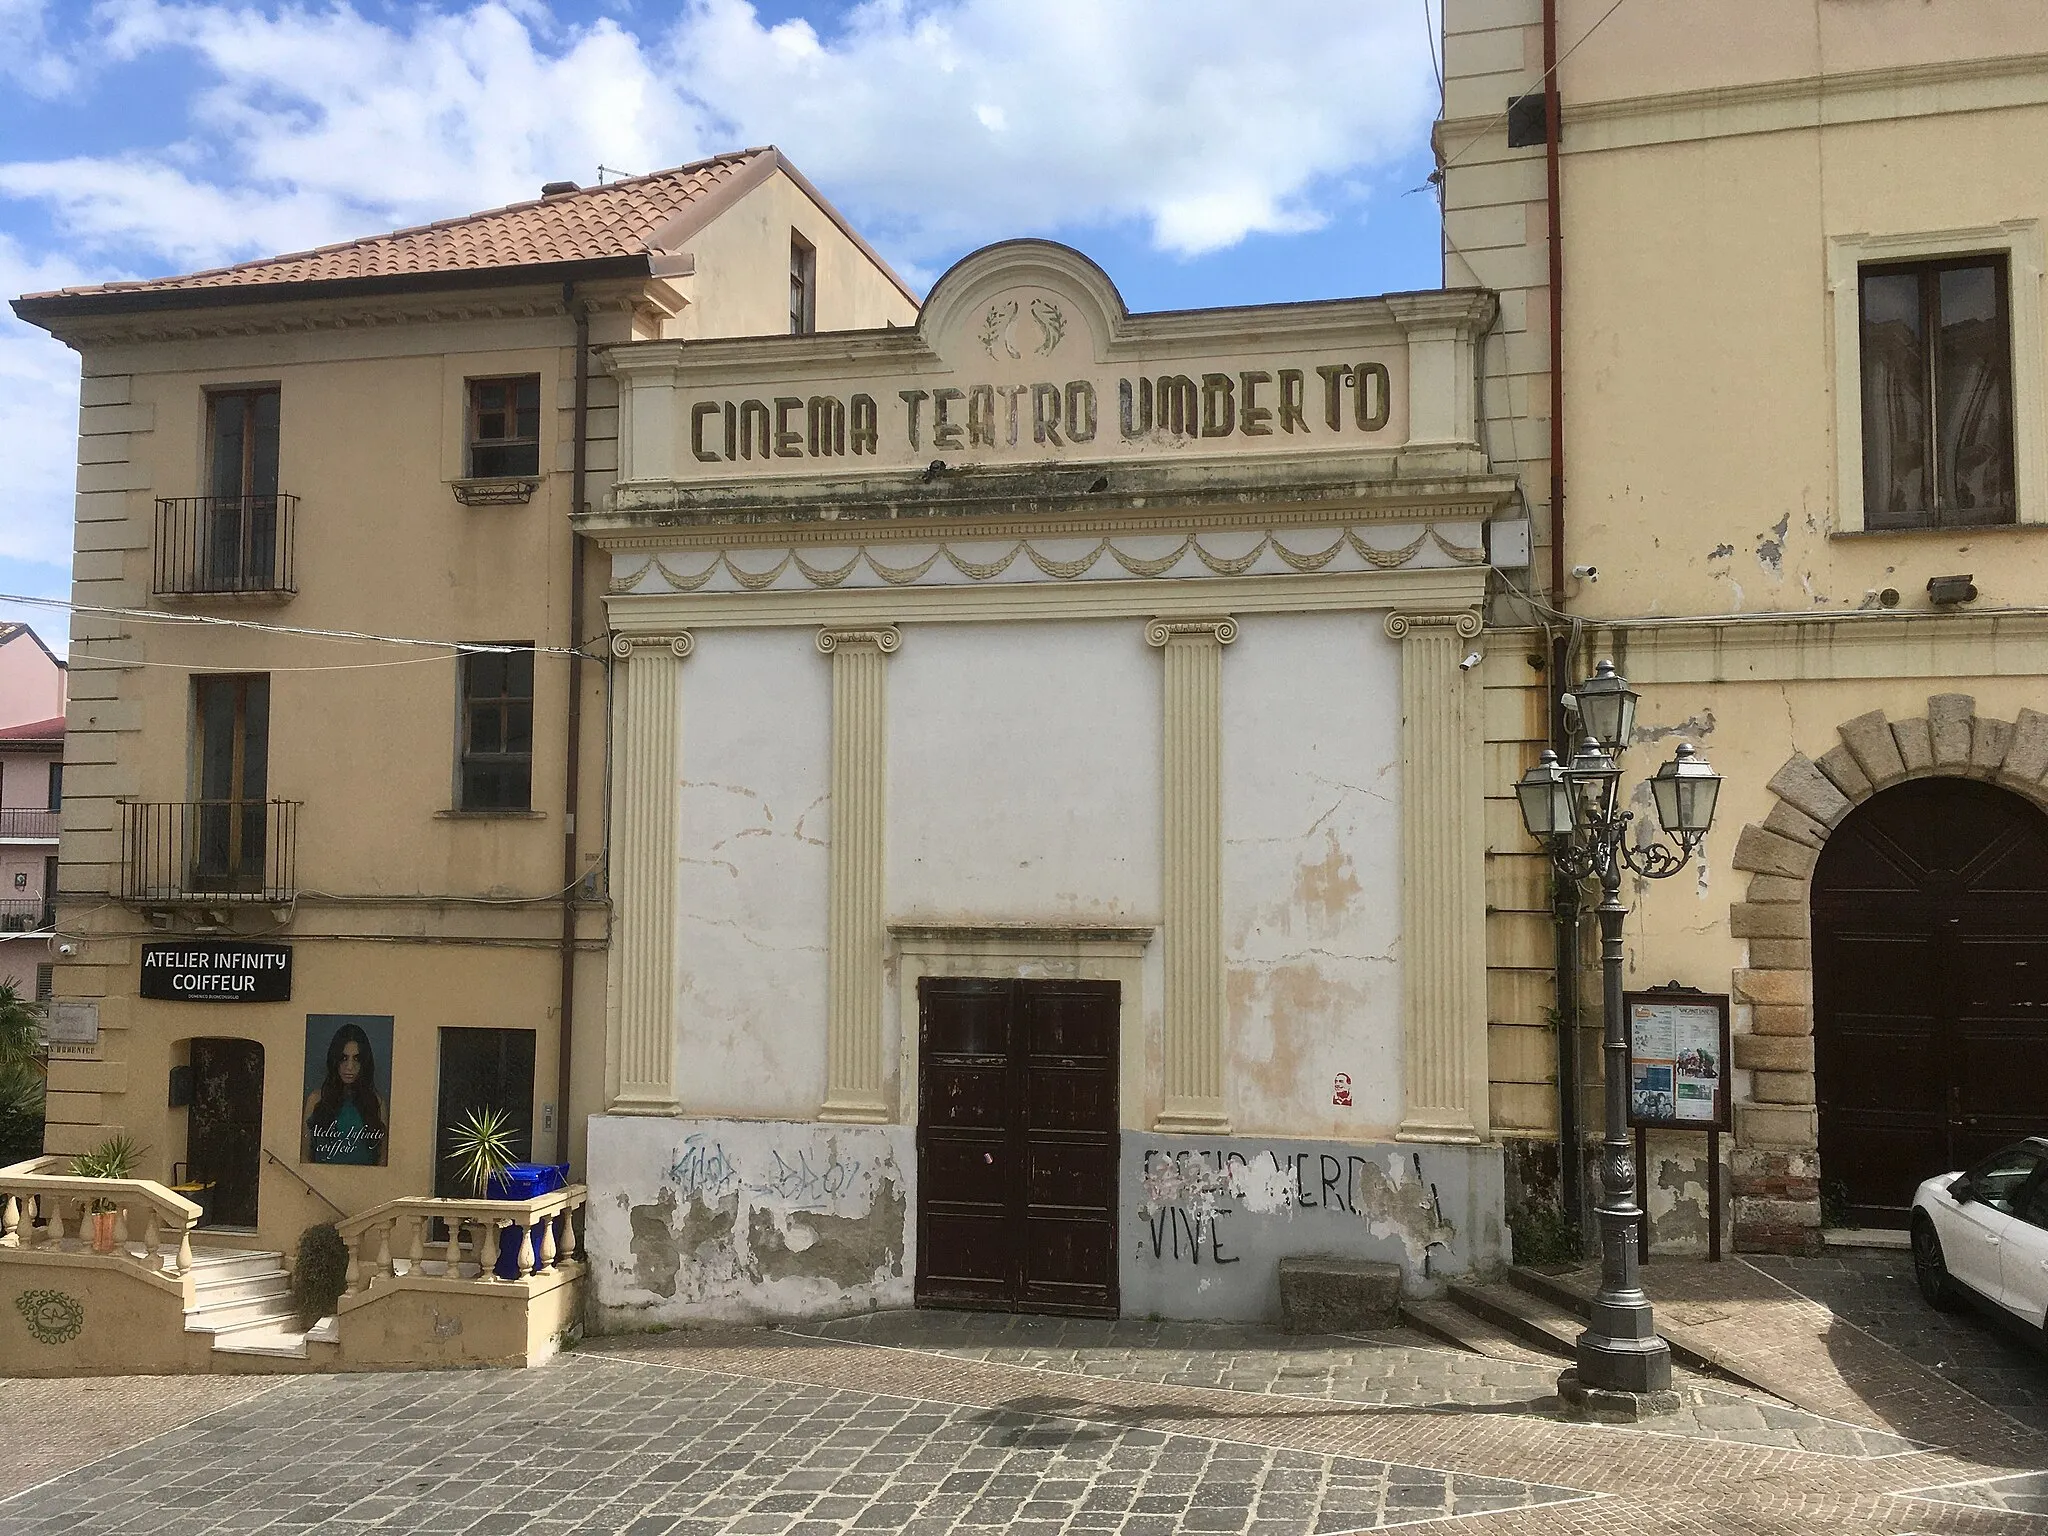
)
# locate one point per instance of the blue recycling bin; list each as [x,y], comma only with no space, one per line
[522,1181]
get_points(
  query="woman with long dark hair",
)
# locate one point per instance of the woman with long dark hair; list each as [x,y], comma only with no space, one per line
[345,1118]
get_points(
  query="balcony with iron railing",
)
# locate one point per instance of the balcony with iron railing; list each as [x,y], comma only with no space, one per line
[225,546]
[27,914]
[22,824]
[209,852]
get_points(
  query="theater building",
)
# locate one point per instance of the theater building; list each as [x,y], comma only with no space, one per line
[1047,805]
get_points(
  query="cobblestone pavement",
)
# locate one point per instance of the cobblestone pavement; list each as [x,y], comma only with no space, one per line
[1980,1350]
[49,1427]
[949,1424]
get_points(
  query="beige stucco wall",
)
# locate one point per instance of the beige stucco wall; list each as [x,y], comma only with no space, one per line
[741,285]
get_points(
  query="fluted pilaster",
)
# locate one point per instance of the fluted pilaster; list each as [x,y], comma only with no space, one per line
[1191,869]
[855,935]
[1443,881]
[647,776]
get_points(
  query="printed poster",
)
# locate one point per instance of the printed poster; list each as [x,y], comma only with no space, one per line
[1675,1065]
[348,1090]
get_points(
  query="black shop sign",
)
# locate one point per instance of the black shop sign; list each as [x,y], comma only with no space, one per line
[217,971]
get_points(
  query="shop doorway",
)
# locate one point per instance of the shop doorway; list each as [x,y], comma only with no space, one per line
[482,1069]
[224,1127]
[1930,989]
[1017,1145]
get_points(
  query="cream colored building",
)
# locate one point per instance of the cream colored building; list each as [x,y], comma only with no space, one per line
[1802,348]
[384,438]
[1048,825]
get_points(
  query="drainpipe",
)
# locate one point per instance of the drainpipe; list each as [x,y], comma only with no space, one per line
[1565,893]
[571,876]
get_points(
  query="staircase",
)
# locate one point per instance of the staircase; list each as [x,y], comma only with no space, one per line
[1529,1316]
[244,1300]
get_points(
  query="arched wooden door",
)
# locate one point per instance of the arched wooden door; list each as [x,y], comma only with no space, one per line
[1930,988]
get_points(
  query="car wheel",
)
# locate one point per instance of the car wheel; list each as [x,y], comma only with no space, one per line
[1929,1270]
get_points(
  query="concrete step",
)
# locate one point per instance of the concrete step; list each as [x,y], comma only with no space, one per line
[1554,1291]
[234,1312]
[278,1335]
[1534,1320]
[209,1292]
[231,1264]
[1448,1323]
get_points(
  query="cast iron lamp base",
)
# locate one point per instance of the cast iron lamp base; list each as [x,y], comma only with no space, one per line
[1603,1405]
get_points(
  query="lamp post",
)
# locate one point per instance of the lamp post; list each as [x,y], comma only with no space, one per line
[1575,812]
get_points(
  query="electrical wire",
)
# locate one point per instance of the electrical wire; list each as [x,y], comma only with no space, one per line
[1542,81]
[149,616]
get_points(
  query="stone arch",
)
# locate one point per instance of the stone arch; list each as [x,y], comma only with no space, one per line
[1774,1167]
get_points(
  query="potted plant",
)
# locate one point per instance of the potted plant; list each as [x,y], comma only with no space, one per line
[114,1158]
[481,1147]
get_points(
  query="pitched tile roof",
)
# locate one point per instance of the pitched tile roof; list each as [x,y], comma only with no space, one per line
[642,215]
[35,731]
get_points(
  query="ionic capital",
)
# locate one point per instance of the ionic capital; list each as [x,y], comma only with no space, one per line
[1222,631]
[679,645]
[883,637]
[1463,622]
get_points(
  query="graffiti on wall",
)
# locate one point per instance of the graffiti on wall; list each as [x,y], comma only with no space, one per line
[739,1207]
[1188,1198]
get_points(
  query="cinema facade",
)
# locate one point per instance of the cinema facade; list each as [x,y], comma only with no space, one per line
[1047,827]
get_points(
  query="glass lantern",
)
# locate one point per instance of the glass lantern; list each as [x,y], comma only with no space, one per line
[1546,799]
[1685,790]
[1607,708]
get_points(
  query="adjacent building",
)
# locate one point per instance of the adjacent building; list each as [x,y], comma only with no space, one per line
[1769,374]
[334,862]
[31,793]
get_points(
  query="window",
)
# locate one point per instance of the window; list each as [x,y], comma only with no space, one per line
[803,285]
[504,427]
[56,786]
[1998,1180]
[497,729]
[238,531]
[230,831]
[1936,358]
[46,983]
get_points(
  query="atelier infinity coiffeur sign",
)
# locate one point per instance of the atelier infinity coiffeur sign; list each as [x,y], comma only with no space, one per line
[217,971]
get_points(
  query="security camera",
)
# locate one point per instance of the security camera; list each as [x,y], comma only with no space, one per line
[67,950]
[1469,662]
[1585,573]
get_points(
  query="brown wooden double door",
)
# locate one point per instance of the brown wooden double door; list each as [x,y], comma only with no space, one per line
[1930,959]
[1017,1145]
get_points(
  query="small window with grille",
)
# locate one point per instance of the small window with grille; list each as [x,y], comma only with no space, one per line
[504,427]
[497,729]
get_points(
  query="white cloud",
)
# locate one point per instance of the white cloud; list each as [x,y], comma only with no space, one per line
[937,124]
[27,56]
[38,416]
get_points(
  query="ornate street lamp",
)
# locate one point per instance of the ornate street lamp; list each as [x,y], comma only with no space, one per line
[1575,812]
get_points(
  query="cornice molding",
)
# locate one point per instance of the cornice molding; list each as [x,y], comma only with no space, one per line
[1415,588]
[1777,106]
[972,572]
[1827,649]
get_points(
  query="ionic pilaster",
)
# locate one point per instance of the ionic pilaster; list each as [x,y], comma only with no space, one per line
[1191,869]
[647,773]
[1443,881]
[855,935]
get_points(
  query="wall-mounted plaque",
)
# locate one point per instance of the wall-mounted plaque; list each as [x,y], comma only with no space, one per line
[217,971]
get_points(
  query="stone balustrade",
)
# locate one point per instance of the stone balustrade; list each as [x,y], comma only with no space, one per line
[44,1210]
[397,1238]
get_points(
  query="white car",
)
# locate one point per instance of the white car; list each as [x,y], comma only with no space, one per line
[1986,1231]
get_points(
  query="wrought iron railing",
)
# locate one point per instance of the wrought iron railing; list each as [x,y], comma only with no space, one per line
[209,850]
[32,914]
[19,821]
[225,544]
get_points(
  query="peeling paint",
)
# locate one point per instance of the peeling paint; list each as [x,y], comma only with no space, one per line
[1770,547]
[1693,726]
[1721,552]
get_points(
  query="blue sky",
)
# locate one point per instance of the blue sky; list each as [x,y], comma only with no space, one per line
[1203,151]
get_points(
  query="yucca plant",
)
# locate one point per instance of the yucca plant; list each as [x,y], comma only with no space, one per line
[114,1158]
[481,1146]
[21,1077]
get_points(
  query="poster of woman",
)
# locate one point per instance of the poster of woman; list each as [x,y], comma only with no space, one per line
[348,1084]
